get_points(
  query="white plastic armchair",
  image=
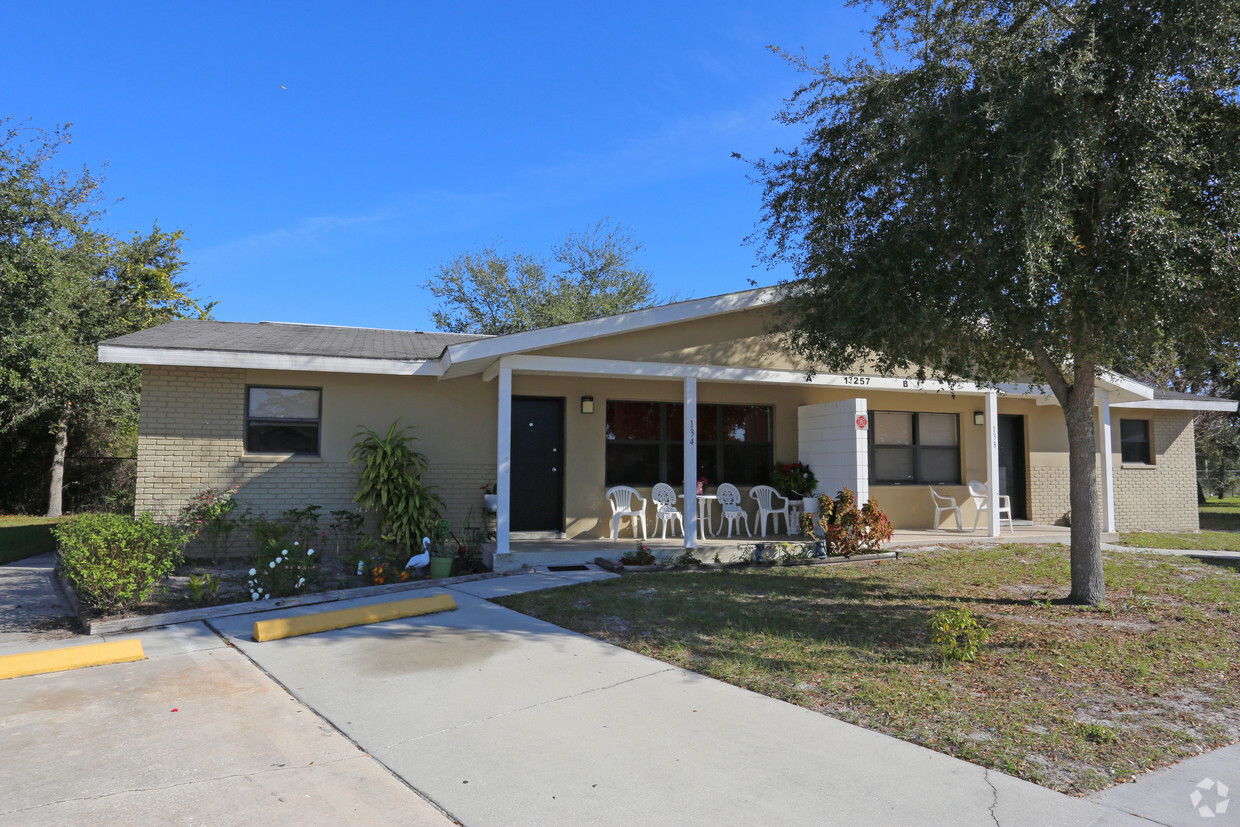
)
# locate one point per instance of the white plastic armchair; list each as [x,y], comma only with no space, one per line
[626,502]
[665,509]
[765,496]
[981,499]
[730,504]
[942,503]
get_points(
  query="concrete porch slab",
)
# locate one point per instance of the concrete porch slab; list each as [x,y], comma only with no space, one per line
[541,553]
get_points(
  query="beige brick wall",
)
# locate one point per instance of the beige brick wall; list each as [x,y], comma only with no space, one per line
[191,438]
[1157,497]
[1162,496]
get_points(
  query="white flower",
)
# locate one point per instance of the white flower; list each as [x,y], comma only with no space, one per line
[254,595]
[266,597]
[296,543]
[253,572]
[272,564]
[310,553]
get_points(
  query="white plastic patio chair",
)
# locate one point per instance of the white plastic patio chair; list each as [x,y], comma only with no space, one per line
[981,499]
[942,503]
[665,509]
[730,504]
[765,495]
[626,502]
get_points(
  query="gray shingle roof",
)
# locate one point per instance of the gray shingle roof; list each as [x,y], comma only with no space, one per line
[297,339]
[1196,397]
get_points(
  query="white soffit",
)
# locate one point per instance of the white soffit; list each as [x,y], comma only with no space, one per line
[264,361]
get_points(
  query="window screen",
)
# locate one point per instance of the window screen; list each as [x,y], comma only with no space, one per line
[283,421]
[1134,441]
[645,443]
[908,448]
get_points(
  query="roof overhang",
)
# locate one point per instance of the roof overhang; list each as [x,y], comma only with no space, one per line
[1204,404]
[183,357]
[475,357]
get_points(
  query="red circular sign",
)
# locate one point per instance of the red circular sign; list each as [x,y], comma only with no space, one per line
[862,422]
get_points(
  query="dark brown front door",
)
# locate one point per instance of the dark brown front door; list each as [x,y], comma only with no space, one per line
[537,464]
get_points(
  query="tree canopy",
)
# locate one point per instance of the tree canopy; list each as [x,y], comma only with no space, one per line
[64,286]
[1007,189]
[589,275]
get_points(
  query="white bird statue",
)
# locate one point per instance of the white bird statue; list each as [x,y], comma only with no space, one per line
[421,561]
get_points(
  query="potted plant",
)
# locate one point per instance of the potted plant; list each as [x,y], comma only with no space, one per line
[795,480]
[490,500]
[443,551]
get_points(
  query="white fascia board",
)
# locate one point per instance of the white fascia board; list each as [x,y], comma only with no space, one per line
[455,355]
[1122,388]
[1226,405]
[575,366]
[264,361]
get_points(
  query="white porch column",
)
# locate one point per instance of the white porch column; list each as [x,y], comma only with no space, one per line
[992,460]
[1108,462]
[503,461]
[691,430]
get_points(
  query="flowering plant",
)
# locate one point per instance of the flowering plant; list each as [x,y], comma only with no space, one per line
[280,571]
[488,488]
[639,556]
[794,479]
[388,572]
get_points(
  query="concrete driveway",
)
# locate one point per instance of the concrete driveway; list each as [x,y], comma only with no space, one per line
[194,734]
[502,719]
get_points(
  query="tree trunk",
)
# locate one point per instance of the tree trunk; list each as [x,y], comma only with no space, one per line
[1088,585]
[58,468]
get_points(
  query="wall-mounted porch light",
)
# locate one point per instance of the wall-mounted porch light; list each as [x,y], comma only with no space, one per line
[979,418]
[587,404]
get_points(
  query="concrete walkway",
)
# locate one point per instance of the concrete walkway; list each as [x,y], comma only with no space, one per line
[1200,554]
[502,719]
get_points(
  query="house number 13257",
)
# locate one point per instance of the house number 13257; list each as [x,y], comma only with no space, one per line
[856,380]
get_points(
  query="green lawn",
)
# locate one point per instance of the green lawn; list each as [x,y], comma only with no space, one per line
[22,537]
[1220,515]
[1202,540]
[1069,697]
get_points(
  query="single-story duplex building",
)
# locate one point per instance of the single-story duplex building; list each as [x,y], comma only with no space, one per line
[555,417]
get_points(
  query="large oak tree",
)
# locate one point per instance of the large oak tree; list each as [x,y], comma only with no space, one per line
[1008,189]
[65,285]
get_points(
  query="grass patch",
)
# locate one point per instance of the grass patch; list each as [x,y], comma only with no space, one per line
[1202,541]
[22,537]
[1069,697]
[1220,515]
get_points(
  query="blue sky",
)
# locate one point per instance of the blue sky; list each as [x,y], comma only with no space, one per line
[324,158]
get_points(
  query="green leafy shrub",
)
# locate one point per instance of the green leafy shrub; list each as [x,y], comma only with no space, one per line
[846,529]
[113,561]
[281,571]
[1099,734]
[206,517]
[956,634]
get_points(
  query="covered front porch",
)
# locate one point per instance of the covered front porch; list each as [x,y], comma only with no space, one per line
[538,553]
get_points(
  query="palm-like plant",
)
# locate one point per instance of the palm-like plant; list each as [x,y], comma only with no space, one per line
[390,482]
